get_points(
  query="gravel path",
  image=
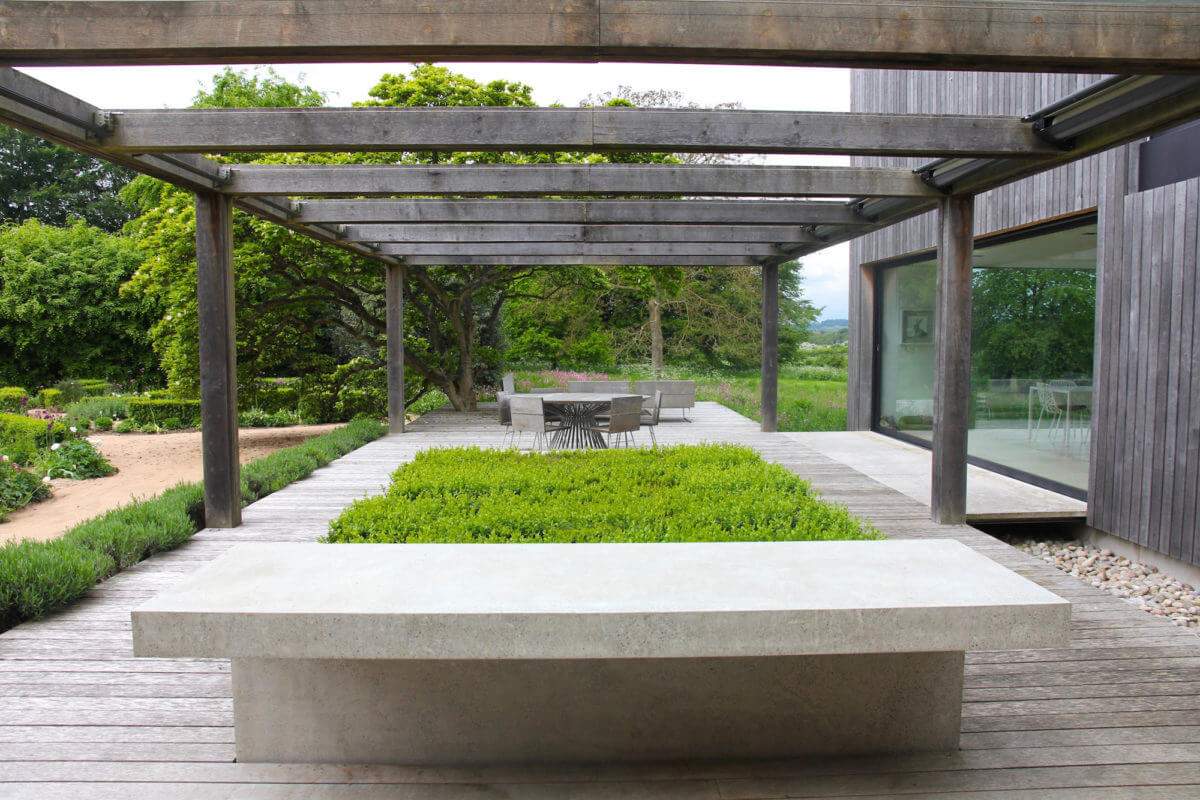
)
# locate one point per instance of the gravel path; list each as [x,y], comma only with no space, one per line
[1154,592]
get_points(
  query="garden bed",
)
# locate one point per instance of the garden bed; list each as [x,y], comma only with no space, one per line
[676,494]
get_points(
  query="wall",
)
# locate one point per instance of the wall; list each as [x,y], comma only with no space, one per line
[1062,191]
[1146,434]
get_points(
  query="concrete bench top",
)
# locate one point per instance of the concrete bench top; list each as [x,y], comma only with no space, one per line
[597,601]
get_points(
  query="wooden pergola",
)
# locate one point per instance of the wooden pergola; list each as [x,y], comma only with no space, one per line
[600,214]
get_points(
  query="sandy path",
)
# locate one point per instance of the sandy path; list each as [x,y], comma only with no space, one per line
[147,464]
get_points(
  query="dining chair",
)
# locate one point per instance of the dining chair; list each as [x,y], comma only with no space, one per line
[624,418]
[504,402]
[649,418]
[1049,408]
[529,416]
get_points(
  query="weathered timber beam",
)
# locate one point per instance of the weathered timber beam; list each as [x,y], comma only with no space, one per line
[531,180]
[569,260]
[578,212]
[1147,37]
[610,130]
[521,248]
[38,108]
[577,233]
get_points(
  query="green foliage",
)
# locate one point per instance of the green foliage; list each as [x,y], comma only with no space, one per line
[675,494]
[258,418]
[234,89]
[18,488]
[61,307]
[344,391]
[21,436]
[153,411]
[50,398]
[44,181]
[112,406]
[13,398]
[103,423]
[171,424]
[76,459]
[39,577]
[1033,323]
[126,426]
[71,390]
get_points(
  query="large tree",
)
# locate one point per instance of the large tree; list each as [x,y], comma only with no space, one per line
[44,181]
[61,311]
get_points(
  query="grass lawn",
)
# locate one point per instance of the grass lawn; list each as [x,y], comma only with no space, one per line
[692,493]
[810,398]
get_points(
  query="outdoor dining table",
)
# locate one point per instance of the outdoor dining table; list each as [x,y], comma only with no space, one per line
[577,411]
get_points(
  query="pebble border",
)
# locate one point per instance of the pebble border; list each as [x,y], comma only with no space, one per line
[1154,592]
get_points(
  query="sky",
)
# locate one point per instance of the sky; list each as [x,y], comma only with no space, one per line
[758,88]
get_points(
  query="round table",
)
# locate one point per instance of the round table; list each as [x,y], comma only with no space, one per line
[577,411]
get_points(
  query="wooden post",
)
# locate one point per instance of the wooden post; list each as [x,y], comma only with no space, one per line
[218,361]
[395,348]
[952,360]
[770,347]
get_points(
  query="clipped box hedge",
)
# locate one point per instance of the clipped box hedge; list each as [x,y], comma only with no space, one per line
[699,493]
[151,410]
[39,577]
[13,398]
[21,436]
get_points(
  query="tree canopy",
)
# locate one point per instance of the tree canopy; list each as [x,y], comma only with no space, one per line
[62,313]
[45,181]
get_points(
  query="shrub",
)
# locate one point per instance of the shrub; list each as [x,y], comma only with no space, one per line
[149,427]
[126,426]
[21,436]
[94,386]
[172,424]
[76,459]
[675,494]
[50,398]
[258,418]
[13,398]
[93,407]
[39,577]
[18,488]
[148,410]
[69,391]
[103,423]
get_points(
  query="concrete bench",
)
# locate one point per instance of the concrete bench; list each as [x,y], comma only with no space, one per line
[471,654]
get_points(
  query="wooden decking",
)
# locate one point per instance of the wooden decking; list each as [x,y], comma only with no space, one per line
[1114,715]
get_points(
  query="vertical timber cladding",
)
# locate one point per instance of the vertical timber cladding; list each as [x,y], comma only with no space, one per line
[1063,190]
[1146,467]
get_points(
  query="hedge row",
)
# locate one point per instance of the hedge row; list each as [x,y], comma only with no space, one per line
[39,577]
[21,436]
[671,494]
[13,398]
[149,410]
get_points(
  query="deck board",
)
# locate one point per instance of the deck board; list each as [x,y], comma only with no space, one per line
[1112,715]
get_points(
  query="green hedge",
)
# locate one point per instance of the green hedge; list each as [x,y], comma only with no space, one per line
[39,577]
[148,410]
[21,436]
[13,398]
[50,398]
[674,494]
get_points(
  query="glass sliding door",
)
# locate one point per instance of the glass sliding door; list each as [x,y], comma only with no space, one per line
[1032,341]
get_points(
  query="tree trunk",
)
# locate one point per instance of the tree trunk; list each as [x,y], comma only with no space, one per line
[656,337]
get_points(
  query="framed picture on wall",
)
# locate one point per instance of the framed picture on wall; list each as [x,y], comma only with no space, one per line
[918,327]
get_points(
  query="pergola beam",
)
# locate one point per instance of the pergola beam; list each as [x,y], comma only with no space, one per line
[631,249]
[416,211]
[573,180]
[593,260]
[605,130]
[578,233]
[1147,37]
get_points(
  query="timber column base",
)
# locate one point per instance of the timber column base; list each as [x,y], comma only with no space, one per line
[464,712]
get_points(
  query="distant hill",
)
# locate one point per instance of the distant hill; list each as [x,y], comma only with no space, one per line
[830,325]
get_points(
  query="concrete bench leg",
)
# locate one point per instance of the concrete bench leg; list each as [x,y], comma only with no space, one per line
[522,711]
